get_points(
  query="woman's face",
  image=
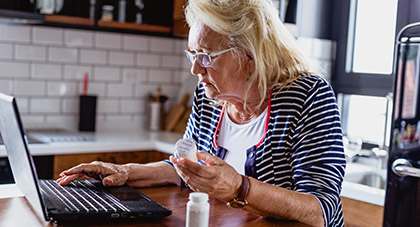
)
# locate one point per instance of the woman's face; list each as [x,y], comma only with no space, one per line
[227,76]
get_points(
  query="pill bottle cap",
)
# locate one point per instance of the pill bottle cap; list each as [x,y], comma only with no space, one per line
[185,145]
[199,197]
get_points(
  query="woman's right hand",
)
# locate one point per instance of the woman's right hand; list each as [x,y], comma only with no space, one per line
[110,174]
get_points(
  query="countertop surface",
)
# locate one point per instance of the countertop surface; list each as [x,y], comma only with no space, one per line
[105,142]
[163,142]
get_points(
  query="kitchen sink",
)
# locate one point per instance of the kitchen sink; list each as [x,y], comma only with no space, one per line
[365,175]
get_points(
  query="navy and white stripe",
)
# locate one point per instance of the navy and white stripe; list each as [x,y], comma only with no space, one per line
[302,149]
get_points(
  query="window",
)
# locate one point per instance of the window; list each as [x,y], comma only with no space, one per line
[365,32]
[371,37]
[365,117]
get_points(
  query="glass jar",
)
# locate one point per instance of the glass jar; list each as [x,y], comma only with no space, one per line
[107,13]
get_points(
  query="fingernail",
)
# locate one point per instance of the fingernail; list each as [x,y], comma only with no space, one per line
[107,182]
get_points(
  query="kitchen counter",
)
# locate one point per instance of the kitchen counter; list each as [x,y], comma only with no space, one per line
[164,142]
[108,142]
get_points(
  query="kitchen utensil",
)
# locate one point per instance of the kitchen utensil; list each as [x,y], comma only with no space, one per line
[182,123]
[175,114]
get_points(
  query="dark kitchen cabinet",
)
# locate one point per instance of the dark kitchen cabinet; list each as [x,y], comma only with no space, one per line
[158,17]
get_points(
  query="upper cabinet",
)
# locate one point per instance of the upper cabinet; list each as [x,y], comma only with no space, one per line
[153,17]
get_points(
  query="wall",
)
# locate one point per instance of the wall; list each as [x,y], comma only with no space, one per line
[44,68]
[320,54]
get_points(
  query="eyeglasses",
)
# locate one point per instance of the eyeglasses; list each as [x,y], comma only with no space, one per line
[204,59]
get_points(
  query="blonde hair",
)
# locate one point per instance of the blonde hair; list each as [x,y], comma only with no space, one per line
[254,27]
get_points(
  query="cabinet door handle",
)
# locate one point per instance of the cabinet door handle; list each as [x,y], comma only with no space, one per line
[403,167]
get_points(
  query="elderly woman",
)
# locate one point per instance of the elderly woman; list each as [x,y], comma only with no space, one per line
[269,131]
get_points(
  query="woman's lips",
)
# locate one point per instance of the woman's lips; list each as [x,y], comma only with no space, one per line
[204,83]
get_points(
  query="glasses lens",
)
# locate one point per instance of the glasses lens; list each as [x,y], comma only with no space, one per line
[190,57]
[203,59]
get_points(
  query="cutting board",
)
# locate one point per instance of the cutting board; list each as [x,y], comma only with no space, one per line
[182,123]
[176,113]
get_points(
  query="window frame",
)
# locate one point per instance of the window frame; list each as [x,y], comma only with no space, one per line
[356,82]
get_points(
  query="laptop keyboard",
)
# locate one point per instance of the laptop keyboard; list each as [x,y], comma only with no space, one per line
[83,196]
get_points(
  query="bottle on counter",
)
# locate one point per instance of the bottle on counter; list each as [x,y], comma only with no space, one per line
[198,210]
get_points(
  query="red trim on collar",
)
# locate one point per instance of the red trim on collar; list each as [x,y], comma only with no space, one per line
[266,120]
[265,128]
[218,126]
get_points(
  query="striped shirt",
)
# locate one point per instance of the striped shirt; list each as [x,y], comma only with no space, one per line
[302,149]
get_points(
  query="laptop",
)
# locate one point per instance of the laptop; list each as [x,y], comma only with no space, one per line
[82,200]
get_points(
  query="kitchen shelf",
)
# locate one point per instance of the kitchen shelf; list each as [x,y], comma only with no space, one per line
[69,20]
[134,26]
[111,26]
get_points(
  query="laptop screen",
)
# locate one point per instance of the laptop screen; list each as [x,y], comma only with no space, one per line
[20,159]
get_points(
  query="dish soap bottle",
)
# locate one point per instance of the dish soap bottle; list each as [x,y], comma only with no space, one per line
[198,210]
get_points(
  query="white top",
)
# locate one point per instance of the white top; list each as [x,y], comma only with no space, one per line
[238,138]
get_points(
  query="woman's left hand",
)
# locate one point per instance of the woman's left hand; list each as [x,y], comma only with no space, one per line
[216,178]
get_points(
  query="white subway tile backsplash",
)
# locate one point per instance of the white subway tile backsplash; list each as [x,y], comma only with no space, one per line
[34,121]
[148,60]
[186,65]
[77,72]
[46,71]
[108,106]
[181,45]
[29,88]
[44,105]
[143,90]
[93,56]
[29,52]
[171,61]
[6,51]
[98,89]
[108,40]
[135,43]
[23,105]
[45,67]
[14,70]
[70,106]
[172,92]
[48,36]
[120,122]
[134,76]
[62,121]
[6,86]
[160,76]
[162,45]
[78,38]
[106,74]
[61,89]
[121,58]
[15,33]
[132,106]
[65,55]
[120,90]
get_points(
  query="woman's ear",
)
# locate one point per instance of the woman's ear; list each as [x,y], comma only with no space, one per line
[250,63]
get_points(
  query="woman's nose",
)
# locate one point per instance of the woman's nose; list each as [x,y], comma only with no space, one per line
[197,68]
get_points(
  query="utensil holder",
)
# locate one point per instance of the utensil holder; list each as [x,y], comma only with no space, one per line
[87,113]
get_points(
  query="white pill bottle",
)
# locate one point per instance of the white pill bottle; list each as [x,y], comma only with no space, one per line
[198,210]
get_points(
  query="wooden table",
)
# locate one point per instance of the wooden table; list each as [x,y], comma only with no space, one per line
[17,212]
